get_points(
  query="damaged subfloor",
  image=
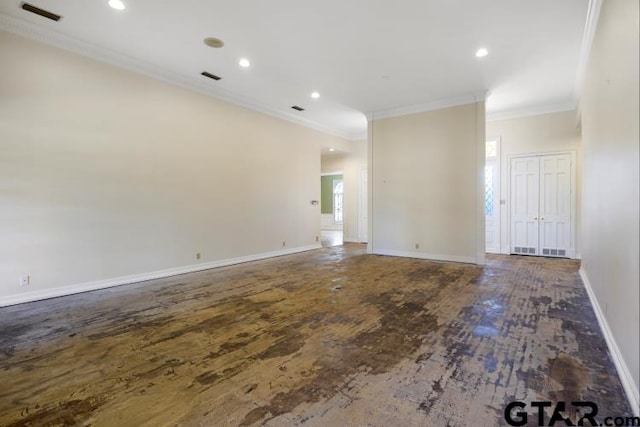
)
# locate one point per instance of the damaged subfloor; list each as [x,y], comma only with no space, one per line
[331,337]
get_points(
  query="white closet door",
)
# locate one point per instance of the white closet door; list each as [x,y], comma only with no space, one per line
[555,205]
[525,190]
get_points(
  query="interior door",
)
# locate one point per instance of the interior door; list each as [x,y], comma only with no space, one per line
[525,196]
[555,205]
[541,205]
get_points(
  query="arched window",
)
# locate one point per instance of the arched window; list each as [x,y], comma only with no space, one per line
[338,201]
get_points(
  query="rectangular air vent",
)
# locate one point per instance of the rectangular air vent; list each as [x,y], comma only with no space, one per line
[44,13]
[295,107]
[211,76]
[554,252]
[524,250]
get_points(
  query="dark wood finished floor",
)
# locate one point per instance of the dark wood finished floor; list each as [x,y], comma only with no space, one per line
[402,342]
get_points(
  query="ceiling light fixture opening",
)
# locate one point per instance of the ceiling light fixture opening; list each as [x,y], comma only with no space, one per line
[482,52]
[213,42]
[244,63]
[332,149]
[315,95]
[117,4]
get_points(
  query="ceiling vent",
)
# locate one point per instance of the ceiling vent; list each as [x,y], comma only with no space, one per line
[295,107]
[211,76]
[44,13]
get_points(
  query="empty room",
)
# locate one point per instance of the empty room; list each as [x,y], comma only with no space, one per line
[360,213]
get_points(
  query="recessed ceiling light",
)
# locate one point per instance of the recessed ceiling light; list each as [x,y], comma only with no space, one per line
[116,4]
[332,149]
[481,52]
[244,63]
[315,95]
[213,42]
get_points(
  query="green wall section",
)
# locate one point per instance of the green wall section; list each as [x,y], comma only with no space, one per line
[326,197]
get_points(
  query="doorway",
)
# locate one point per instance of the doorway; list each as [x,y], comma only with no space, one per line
[332,209]
[542,205]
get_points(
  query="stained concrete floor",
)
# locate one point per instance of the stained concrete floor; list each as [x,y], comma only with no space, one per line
[403,342]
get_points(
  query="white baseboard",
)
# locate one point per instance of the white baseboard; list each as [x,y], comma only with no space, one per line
[630,387]
[421,255]
[125,280]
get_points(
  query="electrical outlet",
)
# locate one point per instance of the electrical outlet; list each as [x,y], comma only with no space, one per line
[284,244]
[24,280]
[417,245]
[317,238]
[198,255]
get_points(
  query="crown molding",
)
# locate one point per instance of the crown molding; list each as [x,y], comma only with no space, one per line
[471,98]
[532,111]
[72,44]
[359,136]
[593,13]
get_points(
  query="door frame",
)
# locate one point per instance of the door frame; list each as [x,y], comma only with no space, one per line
[362,205]
[573,252]
[497,188]
[344,207]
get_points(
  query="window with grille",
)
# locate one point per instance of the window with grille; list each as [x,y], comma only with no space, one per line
[491,153]
[488,190]
[491,150]
[338,201]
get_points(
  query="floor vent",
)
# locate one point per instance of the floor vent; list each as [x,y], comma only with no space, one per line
[524,250]
[44,13]
[554,252]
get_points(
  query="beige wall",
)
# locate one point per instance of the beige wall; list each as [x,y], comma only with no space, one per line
[546,133]
[610,133]
[351,164]
[424,184]
[105,173]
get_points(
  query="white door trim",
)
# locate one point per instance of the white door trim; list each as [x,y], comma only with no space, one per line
[498,189]
[362,205]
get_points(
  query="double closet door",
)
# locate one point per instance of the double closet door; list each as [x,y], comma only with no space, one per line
[541,205]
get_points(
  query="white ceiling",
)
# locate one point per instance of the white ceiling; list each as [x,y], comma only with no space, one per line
[362,56]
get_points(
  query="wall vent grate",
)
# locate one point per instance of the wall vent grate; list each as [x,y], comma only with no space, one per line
[211,76]
[41,12]
[524,250]
[554,252]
